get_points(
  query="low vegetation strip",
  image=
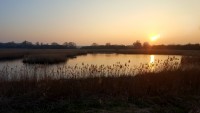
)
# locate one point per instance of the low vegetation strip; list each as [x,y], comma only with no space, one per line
[8,54]
[45,59]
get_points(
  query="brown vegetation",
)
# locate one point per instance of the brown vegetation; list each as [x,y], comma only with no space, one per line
[166,87]
[170,80]
[44,59]
[7,54]
[39,56]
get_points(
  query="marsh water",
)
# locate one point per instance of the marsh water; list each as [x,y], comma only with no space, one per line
[97,61]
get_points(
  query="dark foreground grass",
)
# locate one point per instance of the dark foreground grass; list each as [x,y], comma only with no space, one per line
[99,105]
[176,91]
[169,83]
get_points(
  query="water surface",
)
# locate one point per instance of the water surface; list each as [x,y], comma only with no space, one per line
[122,62]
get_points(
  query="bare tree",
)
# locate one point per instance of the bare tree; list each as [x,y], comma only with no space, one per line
[54,44]
[94,44]
[71,44]
[108,44]
[137,44]
[146,45]
[66,44]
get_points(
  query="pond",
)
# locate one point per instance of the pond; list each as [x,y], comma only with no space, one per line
[92,64]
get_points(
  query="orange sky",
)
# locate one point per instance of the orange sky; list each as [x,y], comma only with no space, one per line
[100,21]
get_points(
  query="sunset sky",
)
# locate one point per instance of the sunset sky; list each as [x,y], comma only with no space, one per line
[100,21]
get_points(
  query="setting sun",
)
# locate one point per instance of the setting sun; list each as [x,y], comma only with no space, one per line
[155,37]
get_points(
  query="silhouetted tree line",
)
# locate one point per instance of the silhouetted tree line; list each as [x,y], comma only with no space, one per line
[37,45]
[145,45]
[135,45]
[105,47]
[71,45]
[178,47]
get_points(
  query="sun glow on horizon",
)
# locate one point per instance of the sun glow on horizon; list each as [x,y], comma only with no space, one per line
[155,37]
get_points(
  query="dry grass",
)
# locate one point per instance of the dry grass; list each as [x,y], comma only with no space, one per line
[39,56]
[45,59]
[117,80]
[169,83]
[12,54]
[174,90]
[169,86]
[194,60]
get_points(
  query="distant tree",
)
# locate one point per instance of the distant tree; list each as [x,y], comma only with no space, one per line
[94,44]
[146,45]
[72,45]
[66,44]
[108,44]
[137,44]
[37,43]
[11,43]
[26,43]
[54,44]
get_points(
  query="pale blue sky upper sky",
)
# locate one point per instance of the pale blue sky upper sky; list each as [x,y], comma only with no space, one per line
[100,21]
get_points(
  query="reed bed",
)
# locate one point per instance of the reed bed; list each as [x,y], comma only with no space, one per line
[85,70]
[162,83]
[45,59]
[158,78]
[194,60]
[40,56]
[11,55]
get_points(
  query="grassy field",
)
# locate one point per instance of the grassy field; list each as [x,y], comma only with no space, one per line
[169,90]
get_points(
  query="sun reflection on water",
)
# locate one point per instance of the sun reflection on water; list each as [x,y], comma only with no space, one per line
[152,63]
[152,59]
